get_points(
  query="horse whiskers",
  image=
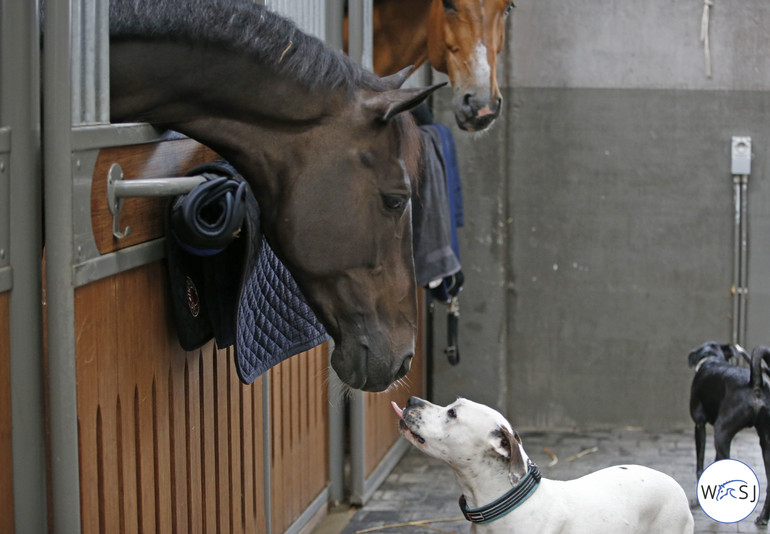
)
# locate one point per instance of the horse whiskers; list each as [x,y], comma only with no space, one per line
[338,390]
[402,382]
[480,134]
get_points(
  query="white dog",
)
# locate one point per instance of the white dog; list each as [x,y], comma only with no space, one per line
[503,491]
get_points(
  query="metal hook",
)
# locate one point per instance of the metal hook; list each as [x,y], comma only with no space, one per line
[114,202]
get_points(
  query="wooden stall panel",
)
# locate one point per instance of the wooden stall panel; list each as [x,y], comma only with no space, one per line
[6,456]
[299,426]
[169,441]
[172,441]
[381,423]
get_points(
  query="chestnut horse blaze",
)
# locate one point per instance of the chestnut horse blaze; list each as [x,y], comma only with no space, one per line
[461,38]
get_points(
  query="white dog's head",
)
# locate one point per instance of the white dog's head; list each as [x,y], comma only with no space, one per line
[464,434]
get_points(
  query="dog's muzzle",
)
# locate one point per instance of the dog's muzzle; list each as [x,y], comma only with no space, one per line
[404,415]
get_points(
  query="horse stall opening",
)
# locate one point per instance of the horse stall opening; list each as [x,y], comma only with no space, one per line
[142,434]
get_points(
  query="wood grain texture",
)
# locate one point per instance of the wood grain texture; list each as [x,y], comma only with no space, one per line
[170,441]
[144,215]
[6,452]
[299,411]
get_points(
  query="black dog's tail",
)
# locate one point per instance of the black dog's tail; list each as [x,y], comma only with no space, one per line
[759,353]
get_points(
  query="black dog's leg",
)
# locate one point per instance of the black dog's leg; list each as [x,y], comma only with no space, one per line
[700,447]
[724,432]
[763,429]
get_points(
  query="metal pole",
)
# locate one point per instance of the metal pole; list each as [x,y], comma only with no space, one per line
[266,451]
[736,258]
[335,14]
[336,436]
[57,168]
[20,90]
[358,447]
[360,39]
[744,296]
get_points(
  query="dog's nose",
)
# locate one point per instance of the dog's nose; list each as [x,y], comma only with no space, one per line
[414,402]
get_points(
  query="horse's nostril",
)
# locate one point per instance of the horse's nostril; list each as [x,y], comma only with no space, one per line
[467,100]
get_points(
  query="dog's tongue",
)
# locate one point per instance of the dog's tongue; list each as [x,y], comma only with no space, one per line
[399,411]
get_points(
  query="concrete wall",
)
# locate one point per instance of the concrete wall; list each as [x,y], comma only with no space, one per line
[598,249]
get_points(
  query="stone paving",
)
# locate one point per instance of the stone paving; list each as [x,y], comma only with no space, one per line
[421,488]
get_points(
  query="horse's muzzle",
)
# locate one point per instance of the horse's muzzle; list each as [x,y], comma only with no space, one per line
[475,114]
[362,369]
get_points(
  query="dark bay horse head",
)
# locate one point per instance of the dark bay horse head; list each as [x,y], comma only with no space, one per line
[345,233]
[464,40]
[325,146]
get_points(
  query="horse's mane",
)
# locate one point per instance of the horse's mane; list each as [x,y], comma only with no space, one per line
[272,40]
[245,26]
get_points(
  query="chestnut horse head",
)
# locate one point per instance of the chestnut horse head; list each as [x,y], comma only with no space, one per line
[464,40]
[325,146]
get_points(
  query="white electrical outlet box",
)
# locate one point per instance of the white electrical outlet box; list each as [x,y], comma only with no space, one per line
[741,155]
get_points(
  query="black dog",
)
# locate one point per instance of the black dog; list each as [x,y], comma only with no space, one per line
[730,398]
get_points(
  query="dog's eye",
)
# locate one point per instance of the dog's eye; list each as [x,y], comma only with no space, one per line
[452,413]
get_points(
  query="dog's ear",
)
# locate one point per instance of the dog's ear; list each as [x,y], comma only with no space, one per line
[729,352]
[710,348]
[508,445]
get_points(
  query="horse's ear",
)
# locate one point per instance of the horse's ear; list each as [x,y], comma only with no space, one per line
[395,81]
[388,104]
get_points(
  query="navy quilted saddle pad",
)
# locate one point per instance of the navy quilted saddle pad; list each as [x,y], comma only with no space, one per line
[227,283]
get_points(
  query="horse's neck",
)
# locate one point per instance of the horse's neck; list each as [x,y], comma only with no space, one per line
[400,34]
[243,111]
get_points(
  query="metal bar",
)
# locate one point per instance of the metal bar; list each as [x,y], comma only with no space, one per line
[357,447]
[156,187]
[57,130]
[744,297]
[5,200]
[360,50]
[336,436]
[360,40]
[736,258]
[6,278]
[101,136]
[20,113]
[266,452]
[307,514]
[116,262]
[335,13]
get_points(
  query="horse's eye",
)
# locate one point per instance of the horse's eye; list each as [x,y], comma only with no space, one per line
[394,202]
[449,5]
[452,413]
[509,7]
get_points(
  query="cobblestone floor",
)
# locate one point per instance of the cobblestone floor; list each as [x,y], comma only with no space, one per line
[421,488]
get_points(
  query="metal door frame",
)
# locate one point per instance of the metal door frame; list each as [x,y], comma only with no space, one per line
[20,254]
